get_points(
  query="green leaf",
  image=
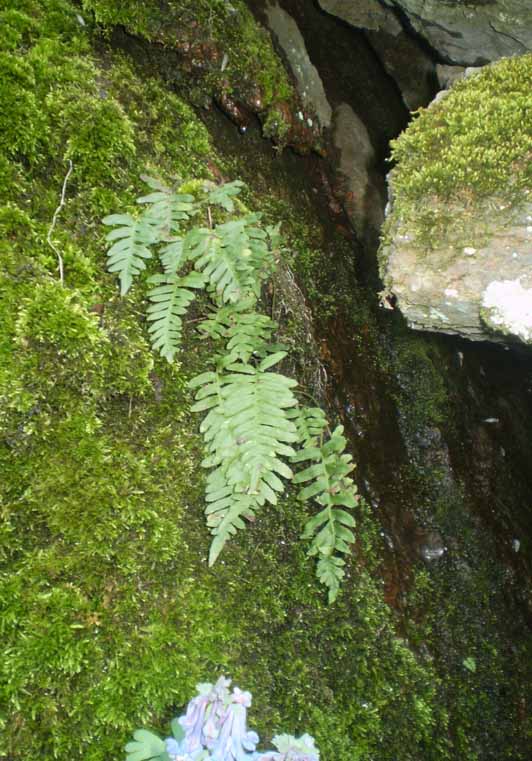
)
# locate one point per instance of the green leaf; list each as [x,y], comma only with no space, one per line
[130,249]
[273,359]
[177,730]
[145,747]
[223,195]
[169,301]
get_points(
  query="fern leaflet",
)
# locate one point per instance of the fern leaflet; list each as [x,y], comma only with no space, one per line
[132,238]
[169,300]
[333,489]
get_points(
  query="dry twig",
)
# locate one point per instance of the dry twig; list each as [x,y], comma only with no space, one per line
[54,220]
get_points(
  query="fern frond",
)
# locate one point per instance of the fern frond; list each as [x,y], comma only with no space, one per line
[329,484]
[132,237]
[247,431]
[169,300]
[173,256]
[330,573]
[310,422]
[248,334]
[224,260]
[222,195]
[165,209]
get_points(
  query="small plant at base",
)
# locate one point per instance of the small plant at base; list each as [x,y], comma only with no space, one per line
[254,424]
[214,729]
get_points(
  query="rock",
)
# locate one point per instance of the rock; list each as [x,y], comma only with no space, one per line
[363,201]
[363,14]
[457,247]
[408,64]
[481,292]
[448,75]
[507,307]
[400,53]
[471,33]
[308,80]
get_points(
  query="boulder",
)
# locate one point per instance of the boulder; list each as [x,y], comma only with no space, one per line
[470,33]
[456,252]
[358,180]
[291,42]
[481,291]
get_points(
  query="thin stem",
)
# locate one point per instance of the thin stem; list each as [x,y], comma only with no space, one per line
[54,220]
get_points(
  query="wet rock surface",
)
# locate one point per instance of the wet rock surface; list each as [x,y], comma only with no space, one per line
[472,291]
[359,183]
[460,33]
[472,33]
[402,56]
[292,44]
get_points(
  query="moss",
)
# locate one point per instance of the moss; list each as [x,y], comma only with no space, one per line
[109,611]
[465,160]
[214,30]
[421,394]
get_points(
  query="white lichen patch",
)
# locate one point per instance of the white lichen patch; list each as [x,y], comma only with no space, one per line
[509,308]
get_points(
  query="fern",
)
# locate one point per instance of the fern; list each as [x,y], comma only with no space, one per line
[247,333]
[131,240]
[169,300]
[222,195]
[332,488]
[253,424]
[166,210]
[247,431]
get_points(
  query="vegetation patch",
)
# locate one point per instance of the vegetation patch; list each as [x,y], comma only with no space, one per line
[465,160]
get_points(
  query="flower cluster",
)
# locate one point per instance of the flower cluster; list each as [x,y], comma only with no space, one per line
[214,729]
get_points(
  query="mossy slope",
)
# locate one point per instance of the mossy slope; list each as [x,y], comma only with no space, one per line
[109,612]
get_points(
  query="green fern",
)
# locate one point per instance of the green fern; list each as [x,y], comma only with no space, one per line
[131,240]
[332,488]
[252,423]
[166,210]
[247,333]
[169,301]
[222,195]
[247,431]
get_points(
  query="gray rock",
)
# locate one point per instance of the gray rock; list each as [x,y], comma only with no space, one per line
[363,200]
[401,55]
[471,33]
[448,75]
[363,14]
[291,42]
[481,291]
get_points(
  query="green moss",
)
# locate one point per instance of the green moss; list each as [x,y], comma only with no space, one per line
[464,160]
[109,611]
[208,34]
[421,395]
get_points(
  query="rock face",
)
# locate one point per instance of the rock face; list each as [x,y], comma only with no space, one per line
[480,292]
[471,33]
[291,42]
[364,14]
[363,201]
[401,55]
[461,33]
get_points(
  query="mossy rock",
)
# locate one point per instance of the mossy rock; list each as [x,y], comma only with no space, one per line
[460,211]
